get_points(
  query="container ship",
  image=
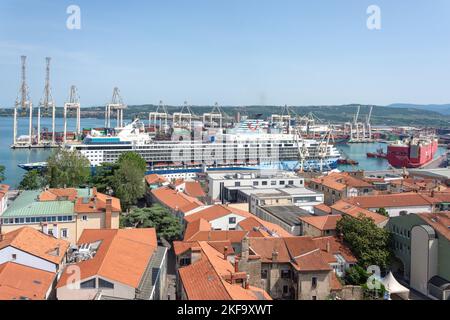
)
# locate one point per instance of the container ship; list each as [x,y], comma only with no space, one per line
[412,152]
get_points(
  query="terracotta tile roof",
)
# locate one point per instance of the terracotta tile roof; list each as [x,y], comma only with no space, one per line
[354,211]
[69,194]
[341,180]
[176,200]
[4,188]
[322,223]
[265,247]
[335,284]
[440,221]
[391,200]
[194,189]
[323,207]
[36,243]
[206,279]
[201,282]
[181,247]
[214,212]
[123,255]
[195,227]
[96,204]
[312,261]
[234,236]
[336,247]
[250,224]
[154,179]
[19,282]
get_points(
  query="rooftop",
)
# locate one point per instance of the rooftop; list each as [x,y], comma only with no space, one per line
[344,207]
[19,282]
[440,221]
[289,213]
[36,243]
[323,223]
[123,255]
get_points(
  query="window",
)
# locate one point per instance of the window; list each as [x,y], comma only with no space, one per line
[314,297]
[314,282]
[90,284]
[285,289]
[185,262]
[84,218]
[290,182]
[273,183]
[232,220]
[50,232]
[237,184]
[282,182]
[264,183]
[255,183]
[263,274]
[14,256]
[286,274]
[64,233]
[103,284]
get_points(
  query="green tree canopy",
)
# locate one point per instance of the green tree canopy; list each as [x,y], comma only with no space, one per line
[135,159]
[128,179]
[383,212]
[32,180]
[2,173]
[67,169]
[158,217]
[102,179]
[368,242]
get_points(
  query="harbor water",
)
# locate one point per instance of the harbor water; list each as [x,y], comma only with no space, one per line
[12,158]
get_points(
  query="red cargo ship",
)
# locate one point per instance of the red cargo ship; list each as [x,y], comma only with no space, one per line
[412,153]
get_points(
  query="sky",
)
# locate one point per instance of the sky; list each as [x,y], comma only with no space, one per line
[234,52]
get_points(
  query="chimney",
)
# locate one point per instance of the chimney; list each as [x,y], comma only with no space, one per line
[245,248]
[94,191]
[236,265]
[196,254]
[274,256]
[108,213]
[247,282]
[432,193]
[225,253]
[328,247]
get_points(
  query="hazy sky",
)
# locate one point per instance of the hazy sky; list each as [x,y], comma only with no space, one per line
[236,52]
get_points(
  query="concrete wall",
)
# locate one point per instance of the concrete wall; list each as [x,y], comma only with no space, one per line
[305,289]
[222,223]
[120,291]
[26,259]
[424,258]
[395,211]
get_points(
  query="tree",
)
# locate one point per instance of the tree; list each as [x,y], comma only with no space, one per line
[32,180]
[135,159]
[368,242]
[356,276]
[383,212]
[158,217]
[102,178]
[67,169]
[128,179]
[2,173]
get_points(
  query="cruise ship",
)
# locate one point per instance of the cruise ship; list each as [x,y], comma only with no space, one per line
[185,155]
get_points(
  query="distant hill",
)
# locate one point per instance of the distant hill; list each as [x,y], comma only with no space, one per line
[441,108]
[382,115]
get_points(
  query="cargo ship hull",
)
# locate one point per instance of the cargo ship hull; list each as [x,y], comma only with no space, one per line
[413,153]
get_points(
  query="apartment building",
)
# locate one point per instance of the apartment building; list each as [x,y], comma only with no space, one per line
[62,213]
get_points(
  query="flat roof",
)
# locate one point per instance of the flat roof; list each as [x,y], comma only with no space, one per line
[288,214]
[438,173]
[251,174]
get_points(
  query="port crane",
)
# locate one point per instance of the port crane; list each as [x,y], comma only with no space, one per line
[72,104]
[47,103]
[23,103]
[116,105]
